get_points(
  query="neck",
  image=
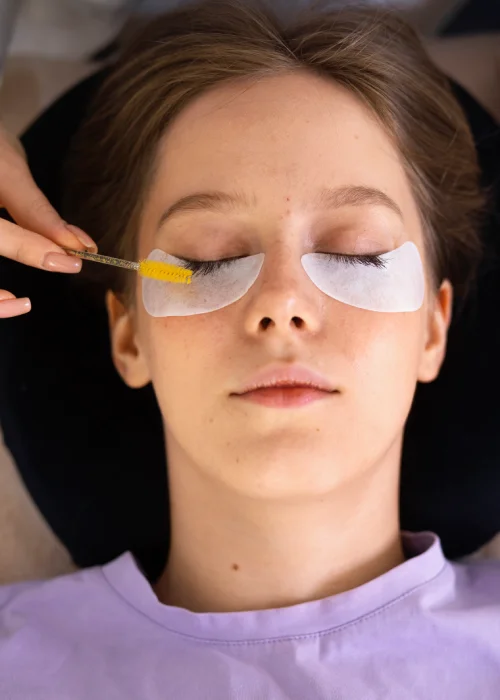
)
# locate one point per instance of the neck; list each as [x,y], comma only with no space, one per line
[229,553]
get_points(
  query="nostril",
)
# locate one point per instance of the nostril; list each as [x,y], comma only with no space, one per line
[296,320]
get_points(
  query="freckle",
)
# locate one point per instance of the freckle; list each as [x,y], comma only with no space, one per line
[235,567]
[318,430]
[210,420]
[237,460]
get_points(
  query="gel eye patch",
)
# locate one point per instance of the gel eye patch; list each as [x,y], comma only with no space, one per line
[395,283]
[208,291]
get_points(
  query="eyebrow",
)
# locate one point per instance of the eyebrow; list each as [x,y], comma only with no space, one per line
[204,201]
[349,195]
[357,196]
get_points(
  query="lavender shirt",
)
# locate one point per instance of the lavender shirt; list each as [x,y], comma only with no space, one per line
[428,629]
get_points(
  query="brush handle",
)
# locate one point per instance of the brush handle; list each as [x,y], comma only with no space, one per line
[104,259]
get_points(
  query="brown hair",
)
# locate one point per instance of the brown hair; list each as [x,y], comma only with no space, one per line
[372,52]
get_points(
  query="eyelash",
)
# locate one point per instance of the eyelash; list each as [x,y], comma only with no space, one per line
[207,267]
[374,260]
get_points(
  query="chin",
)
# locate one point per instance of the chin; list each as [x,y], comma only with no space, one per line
[310,424]
[288,468]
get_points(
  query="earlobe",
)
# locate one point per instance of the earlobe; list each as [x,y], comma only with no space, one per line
[127,355]
[438,323]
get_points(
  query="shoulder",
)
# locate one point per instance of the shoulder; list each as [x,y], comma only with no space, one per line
[77,600]
[43,622]
[477,583]
[36,602]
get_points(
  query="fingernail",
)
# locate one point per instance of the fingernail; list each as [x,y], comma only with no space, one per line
[14,307]
[56,262]
[83,238]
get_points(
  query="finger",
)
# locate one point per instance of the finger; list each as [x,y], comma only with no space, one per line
[10,306]
[20,195]
[8,139]
[29,207]
[83,237]
[32,249]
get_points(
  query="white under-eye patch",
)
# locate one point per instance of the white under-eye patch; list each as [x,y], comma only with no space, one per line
[390,282]
[213,286]
[396,285]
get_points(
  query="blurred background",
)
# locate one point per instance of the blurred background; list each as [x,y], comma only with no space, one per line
[47,45]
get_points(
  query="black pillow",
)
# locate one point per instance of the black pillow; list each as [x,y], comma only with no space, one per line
[450,479]
[90,450]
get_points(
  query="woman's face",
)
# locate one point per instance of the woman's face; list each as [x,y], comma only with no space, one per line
[271,149]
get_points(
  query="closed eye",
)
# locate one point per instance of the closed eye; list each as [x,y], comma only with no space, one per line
[207,267]
[375,260]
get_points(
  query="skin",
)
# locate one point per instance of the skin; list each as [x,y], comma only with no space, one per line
[271,507]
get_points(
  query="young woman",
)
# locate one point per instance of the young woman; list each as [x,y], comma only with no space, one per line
[320,181]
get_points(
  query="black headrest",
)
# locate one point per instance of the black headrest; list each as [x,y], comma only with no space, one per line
[90,450]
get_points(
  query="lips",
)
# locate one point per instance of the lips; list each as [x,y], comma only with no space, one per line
[289,386]
[284,397]
[286,376]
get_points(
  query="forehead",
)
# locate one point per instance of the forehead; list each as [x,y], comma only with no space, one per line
[278,140]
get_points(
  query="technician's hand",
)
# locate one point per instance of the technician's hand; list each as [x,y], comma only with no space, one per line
[40,231]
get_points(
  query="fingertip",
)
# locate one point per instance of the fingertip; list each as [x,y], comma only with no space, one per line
[82,237]
[10,308]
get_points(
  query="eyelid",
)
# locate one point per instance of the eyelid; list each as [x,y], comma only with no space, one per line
[349,258]
[239,257]
[201,268]
[192,260]
[367,259]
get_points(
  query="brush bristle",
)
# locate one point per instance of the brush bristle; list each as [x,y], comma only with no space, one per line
[165,272]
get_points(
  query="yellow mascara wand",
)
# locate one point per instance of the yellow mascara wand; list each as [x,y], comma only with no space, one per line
[154,269]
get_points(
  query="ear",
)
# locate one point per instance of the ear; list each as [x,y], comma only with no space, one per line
[128,357]
[438,322]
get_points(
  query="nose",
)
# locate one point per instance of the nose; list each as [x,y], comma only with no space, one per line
[284,300]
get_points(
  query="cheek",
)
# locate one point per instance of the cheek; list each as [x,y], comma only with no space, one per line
[395,337]
[178,348]
[185,356]
[382,352]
